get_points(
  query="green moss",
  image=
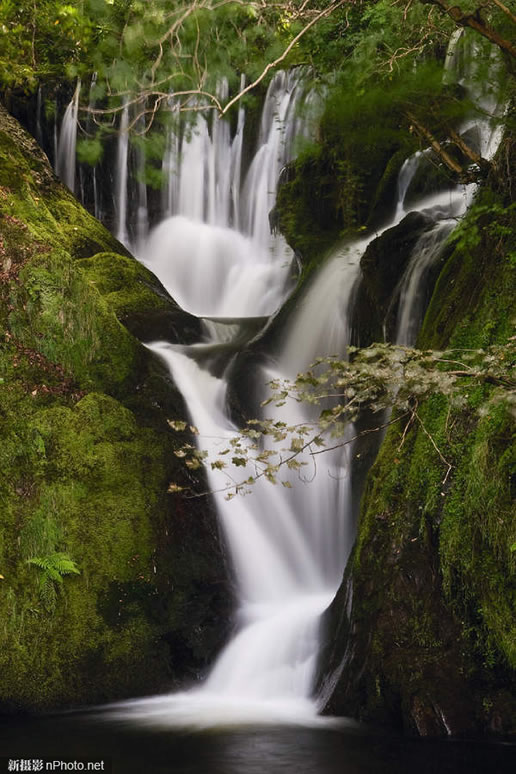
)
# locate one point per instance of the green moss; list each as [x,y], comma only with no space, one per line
[57,312]
[478,530]
[127,286]
[433,625]
[348,177]
[476,313]
[86,458]
[88,484]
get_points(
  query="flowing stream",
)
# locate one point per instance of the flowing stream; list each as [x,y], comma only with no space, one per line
[214,252]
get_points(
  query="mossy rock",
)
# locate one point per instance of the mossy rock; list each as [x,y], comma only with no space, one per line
[427,642]
[87,456]
[138,300]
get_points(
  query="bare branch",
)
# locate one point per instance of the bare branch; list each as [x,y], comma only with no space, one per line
[333,7]
[505,10]
[435,144]
[475,22]
[443,459]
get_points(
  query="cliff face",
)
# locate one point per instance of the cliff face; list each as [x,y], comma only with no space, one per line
[86,458]
[422,633]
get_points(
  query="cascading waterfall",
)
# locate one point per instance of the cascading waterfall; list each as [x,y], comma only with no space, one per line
[214,251]
[121,178]
[224,261]
[97,207]
[287,546]
[66,145]
[484,137]
[142,216]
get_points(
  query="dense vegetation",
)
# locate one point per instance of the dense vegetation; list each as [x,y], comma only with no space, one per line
[86,463]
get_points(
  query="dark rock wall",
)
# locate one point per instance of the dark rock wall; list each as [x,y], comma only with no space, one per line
[422,633]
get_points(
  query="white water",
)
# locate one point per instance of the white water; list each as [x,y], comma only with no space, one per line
[287,546]
[66,145]
[215,254]
[484,136]
[122,170]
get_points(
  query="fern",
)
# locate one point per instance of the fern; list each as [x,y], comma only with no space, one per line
[53,568]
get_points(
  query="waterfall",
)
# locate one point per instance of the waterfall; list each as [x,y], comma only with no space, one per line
[170,165]
[278,129]
[484,136]
[142,215]
[236,164]
[121,178]
[214,253]
[65,147]
[288,545]
[97,207]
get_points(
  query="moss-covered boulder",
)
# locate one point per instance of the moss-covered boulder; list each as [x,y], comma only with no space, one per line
[422,633]
[109,586]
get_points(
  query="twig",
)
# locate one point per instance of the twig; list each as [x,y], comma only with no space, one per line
[450,466]
[284,55]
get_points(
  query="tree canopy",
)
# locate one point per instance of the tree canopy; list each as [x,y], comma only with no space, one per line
[144,50]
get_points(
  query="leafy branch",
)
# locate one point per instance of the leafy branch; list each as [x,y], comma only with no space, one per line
[377,379]
[165,51]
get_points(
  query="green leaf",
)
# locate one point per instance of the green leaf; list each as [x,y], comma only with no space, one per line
[89,151]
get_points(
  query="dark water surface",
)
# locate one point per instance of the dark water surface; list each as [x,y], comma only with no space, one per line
[266,750]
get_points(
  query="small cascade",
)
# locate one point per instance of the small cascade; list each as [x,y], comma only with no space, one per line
[142,214]
[413,287]
[170,165]
[405,177]
[483,134]
[208,269]
[219,178]
[202,167]
[121,232]
[278,129]
[236,164]
[97,206]
[199,166]
[196,159]
[66,144]
[212,258]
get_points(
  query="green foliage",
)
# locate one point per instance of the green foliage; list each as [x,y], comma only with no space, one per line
[375,379]
[489,219]
[89,151]
[41,39]
[52,570]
